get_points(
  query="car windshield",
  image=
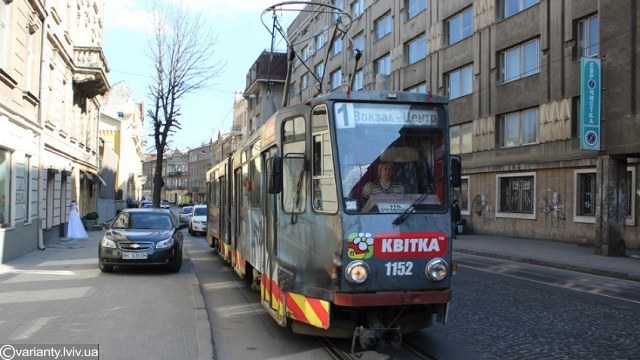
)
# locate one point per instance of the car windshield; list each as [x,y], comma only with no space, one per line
[132,220]
[186,209]
[201,211]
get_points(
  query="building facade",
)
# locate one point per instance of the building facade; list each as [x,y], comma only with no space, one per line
[264,88]
[52,70]
[176,177]
[200,160]
[512,71]
[148,171]
[121,129]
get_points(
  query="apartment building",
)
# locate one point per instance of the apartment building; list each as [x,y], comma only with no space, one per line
[175,173]
[543,102]
[264,88]
[200,160]
[52,70]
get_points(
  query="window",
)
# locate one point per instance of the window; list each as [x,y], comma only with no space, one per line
[416,50]
[358,80]
[462,195]
[306,53]
[460,26]
[340,5]
[460,136]
[520,61]
[319,71]
[420,88]
[5,187]
[631,196]
[304,81]
[254,186]
[293,130]
[383,65]
[585,184]
[516,195]
[293,91]
[4,32]
[324,194]
[336,79]
[588,37]
[585,187]
[383,26]
[337,46]
[519,128]
[357,8]
[460,82]
[320,40]
[32,189]
[414,7]
[512,7]
[294,184]
[358,43]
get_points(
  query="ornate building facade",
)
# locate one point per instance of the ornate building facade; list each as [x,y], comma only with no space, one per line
[52,70]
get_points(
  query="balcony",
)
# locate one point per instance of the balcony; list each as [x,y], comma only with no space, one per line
[90,75]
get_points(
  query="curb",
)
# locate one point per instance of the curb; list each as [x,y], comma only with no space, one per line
[203,326]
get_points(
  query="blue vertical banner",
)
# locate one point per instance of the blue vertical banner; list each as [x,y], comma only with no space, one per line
[590,103]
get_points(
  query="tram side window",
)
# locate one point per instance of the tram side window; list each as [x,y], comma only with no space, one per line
[255,173]
[324,195]
[293,173]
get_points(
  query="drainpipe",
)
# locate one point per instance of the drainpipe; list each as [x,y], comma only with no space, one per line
[41,120]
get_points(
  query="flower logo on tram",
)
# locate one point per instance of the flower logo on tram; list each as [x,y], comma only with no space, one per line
[360,245]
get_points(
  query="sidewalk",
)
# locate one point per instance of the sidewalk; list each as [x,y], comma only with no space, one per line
[550,253]
[59,296]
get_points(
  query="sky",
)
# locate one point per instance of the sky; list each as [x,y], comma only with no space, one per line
[241,38]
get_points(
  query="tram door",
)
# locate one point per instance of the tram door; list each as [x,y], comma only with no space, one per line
[271,297]
[236,221]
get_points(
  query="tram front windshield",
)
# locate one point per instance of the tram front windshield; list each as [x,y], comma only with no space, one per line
[391,157]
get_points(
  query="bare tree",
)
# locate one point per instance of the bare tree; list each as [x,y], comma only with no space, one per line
[182,53]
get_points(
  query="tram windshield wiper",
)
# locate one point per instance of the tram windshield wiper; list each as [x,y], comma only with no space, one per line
[408,211]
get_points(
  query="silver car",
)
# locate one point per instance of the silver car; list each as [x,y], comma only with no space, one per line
[185,213]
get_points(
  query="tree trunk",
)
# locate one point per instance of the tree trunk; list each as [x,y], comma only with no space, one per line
[158,182]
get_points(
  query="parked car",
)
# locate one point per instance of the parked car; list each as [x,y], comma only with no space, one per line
[145,204]
[198,220]
[165,204]
[142,236]
[185,212]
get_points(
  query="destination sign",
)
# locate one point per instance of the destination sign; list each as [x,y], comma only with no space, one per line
[349,115]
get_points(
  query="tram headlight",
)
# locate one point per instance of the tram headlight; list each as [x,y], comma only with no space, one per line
[357,272]
[437,269]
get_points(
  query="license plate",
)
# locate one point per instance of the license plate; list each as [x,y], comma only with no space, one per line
[133,256]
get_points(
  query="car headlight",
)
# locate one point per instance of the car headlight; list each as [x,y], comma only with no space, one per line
[165,244]
[357,272]
[106,243]
[437,269]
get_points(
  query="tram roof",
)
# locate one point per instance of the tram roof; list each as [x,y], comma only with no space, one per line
[378,95]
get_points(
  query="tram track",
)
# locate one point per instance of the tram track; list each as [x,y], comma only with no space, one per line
[340,349]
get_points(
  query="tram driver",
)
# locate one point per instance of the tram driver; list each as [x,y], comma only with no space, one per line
[384,184]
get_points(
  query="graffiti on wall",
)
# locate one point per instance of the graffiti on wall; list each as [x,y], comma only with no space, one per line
[554,208]
[481,205]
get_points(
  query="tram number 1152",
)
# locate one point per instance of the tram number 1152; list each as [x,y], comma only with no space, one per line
[399,268]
